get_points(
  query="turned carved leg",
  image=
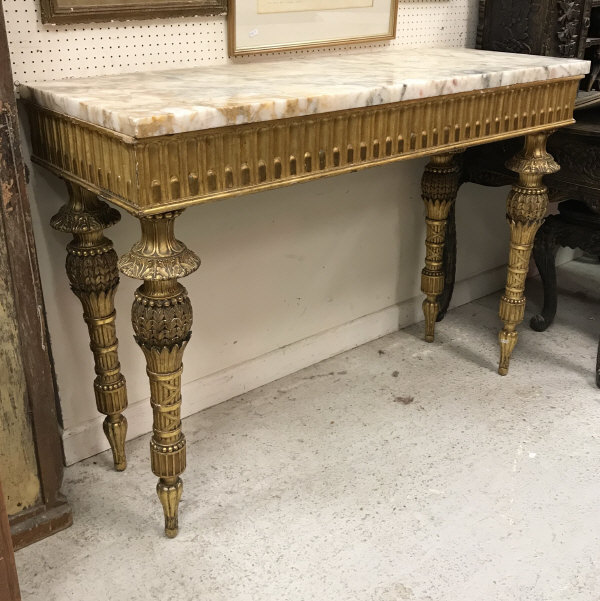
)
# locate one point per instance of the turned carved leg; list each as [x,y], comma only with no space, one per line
[439,188]
[162,321]
[545,247]
[92,270]
[525,210]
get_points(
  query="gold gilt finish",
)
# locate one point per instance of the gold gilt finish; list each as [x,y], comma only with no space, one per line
[162,322]
[92,271]
[440,183]
[525,210]
[155,177]
[149,175]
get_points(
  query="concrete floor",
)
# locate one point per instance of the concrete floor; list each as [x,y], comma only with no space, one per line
[399,470]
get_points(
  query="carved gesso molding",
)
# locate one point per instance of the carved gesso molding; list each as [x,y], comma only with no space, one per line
[151,175]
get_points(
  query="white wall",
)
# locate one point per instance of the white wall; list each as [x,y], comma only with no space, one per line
[288,277]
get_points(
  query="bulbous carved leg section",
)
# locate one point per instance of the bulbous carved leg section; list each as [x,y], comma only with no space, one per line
[525,210]
[544,253]
[162,322]
[92,271]
[439,188]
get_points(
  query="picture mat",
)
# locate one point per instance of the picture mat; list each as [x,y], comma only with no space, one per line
[283,6]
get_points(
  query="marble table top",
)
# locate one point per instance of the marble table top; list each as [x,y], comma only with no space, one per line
[154,103]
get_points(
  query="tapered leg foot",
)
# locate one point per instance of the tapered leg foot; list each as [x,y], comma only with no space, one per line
[430,311]
[439,188]
[115,429]
[170,495]
[92,270]
[162,320]
[508,341]
[525,210]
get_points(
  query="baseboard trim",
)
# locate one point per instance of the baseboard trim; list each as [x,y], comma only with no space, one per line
[87,439]
[31,526]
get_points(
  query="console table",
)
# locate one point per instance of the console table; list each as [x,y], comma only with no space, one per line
[155,143]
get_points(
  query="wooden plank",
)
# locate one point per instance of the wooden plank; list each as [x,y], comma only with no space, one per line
[9,583]
[32,402]
[18,463]
[38,523]
[17,451]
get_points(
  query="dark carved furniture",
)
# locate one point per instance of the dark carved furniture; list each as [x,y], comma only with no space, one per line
[578,223]
[523,26]
[567,28]
[576,226]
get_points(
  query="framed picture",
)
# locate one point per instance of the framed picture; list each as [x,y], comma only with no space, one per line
[270,25]
[85,11]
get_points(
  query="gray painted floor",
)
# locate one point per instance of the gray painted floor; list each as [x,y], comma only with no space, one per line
[399,470]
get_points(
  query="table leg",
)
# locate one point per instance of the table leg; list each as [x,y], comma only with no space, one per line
[92,270]
[525,210]
[162,321]
[439,188]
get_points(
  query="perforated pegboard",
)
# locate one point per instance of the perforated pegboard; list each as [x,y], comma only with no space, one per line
[41,52]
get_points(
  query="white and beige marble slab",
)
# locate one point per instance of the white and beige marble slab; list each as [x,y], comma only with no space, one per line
[154,103]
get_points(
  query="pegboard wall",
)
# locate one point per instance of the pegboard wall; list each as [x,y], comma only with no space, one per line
[42,52]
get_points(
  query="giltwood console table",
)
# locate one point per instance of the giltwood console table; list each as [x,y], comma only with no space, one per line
[156,143]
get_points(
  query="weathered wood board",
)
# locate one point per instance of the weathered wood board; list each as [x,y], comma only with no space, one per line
[18,464]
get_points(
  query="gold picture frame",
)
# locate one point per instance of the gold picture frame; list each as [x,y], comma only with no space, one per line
[262,26]
[86,11]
